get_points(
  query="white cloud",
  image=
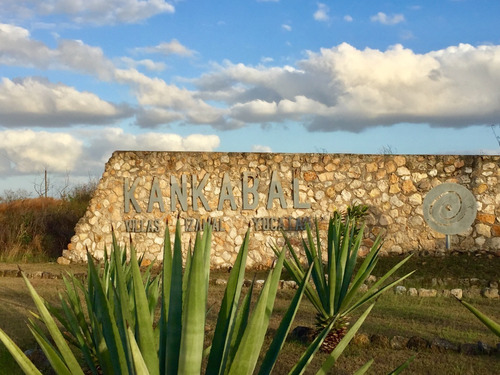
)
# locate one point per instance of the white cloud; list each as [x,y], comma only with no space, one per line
[321,13]
[85,151]
[101,143]
[34,101]
[154,117]
[350,89]
[154,92]
[387,20]
[17,48]
[174,47]
[335,88]
[348,18]
[107,12]
[261,148]
[146,63]
[32,152]
[286,27]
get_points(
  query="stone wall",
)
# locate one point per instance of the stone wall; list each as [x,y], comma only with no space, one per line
[141,191]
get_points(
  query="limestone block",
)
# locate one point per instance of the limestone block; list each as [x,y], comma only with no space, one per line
[483,230]
[422,292]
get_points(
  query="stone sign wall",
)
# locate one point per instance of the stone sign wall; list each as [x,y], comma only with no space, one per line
[140,192]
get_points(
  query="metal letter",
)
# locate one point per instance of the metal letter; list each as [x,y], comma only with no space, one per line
[275,192]
[180,193]
[246,190]
[155,196]
[128,195]
[198,192]
[226,193]
[296,203]
[265,224]
[256,221]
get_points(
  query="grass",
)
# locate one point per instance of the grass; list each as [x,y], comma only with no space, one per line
[393,315]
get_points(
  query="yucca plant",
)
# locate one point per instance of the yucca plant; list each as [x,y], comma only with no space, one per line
[335,292]
[117,332]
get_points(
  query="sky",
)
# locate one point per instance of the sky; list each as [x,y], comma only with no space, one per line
[80,79]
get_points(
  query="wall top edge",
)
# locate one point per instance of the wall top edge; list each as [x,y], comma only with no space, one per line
[117,152]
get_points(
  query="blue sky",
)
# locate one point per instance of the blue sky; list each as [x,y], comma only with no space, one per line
[80,79]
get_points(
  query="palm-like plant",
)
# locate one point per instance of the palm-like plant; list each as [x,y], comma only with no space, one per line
[335,292]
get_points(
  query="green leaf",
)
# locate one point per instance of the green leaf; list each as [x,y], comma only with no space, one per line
[107,338]
[311,350]
[403,366]
[55,360]
[227,313]
[54,331]
[248,351]
[193,320]
[339,349]
[491,324]
[240,324]
[144,324]
[363,369]
[166,277]
[22,360]
[140,366]
[284,327]
[174,323]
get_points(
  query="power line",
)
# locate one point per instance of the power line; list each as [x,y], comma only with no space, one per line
[495,133]
[4,154]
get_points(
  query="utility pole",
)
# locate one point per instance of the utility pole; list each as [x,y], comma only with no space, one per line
[46,184]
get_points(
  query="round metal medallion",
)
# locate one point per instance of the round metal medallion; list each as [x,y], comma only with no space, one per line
[449,208]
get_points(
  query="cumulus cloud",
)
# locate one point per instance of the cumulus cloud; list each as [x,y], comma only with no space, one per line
[31,152]
[35,101]
[335,88]
[261,148]
[348,18]
[146,63]
[17,48]
[174,47]
[344,88]
[156,93]
[154,117]
[387,20]
[322,13]
[100,144]
[85,151]
[89,12]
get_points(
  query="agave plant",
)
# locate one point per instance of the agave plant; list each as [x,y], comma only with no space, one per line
[336,291]
[117,332]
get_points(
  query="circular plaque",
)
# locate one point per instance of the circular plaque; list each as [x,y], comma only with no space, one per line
[449,208]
